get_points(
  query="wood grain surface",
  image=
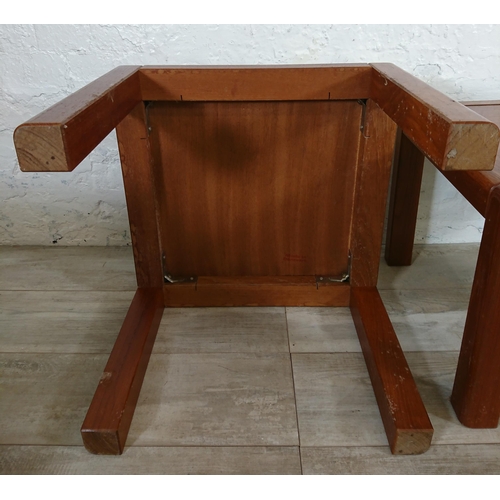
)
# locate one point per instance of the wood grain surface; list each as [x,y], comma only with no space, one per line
[372,185]
[407,170]
[452,136]
[210,291]
[476,392]
[58,139]
[255,83]
[255,189]
[257,197]
[476,186]
[406,186]
[407,425]
[405,193]
[475,395]
[135,155]
[105,428]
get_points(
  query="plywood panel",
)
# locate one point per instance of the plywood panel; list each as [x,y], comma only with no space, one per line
[255,189]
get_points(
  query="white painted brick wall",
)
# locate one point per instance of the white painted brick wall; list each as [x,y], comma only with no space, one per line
[39,65]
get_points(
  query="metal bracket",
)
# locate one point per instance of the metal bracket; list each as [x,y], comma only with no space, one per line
[363,118]
[335,279]
[332,279]
[171,280]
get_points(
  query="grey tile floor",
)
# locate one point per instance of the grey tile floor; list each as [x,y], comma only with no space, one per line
[228,390]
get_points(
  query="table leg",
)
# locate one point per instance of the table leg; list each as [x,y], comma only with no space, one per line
[407,425]
[105,428]
[407,172]
[476,392]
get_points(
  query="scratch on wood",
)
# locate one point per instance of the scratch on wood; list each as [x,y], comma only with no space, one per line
[105,376]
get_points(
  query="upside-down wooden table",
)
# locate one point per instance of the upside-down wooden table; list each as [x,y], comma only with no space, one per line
[476,391]
[257,186]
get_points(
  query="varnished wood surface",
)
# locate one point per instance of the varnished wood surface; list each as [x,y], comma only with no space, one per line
[110,414]
[106,426]
[45,396]
[452,136]
[475,186]
[476,393]
[481,103]
[372,185]
[255,189]
[488,109]
[475,397]
[407,170]
[256,291]
[257,83]
[137,164]
[403,413]
[406,185]
[59,138]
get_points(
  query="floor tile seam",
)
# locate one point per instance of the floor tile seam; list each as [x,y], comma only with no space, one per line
[433,445]
[257,446]
[59,353]
[380,288]
[58,247]
[294,391]
[73,290]
[199,353]
[433,289]
[282,354]
[159,446]
[274,353]
[66,290]
[454,351]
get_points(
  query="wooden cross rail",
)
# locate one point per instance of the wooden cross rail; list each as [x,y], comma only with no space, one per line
[257,186]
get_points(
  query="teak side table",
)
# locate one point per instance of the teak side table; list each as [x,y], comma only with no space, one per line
[257,186]
[476,391]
